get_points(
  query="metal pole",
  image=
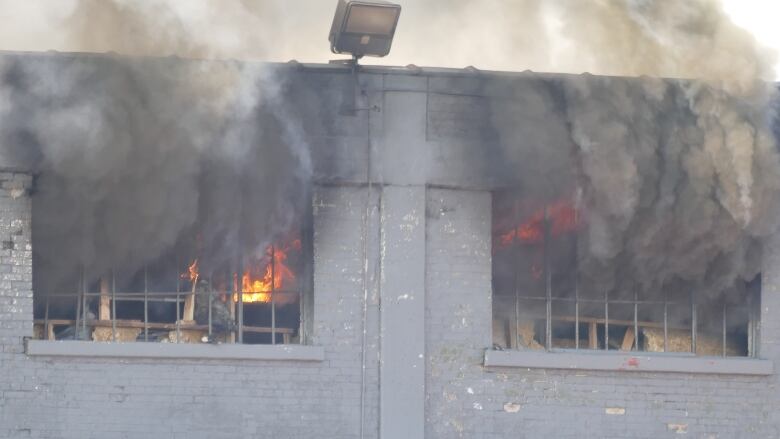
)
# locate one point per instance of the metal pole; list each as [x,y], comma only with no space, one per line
[576,311]
[240,288]
[516,254]
[752,326]
[211,304]
[178,319]
[113,306]
[606,320]
[146,303]
[84,291]
[548,281]
[636,320]
[76,334]
[666,320]
[301,317]
[45,334]
[576,278]
[178,290]
[273,301]
[724,327]
[693,322]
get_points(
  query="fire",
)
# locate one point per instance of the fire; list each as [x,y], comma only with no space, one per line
[259,280]
[562,218]
[192,272]
[275,275]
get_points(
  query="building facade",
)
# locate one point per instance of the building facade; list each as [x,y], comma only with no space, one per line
[401,337]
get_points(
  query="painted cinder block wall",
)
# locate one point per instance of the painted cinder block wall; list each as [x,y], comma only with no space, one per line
[407,260]
[83,397]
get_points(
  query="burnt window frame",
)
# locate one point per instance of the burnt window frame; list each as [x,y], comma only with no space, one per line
[513,338]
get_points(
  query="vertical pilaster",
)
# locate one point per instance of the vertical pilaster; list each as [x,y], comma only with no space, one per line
[402,293]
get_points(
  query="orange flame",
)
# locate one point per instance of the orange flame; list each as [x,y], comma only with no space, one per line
[192,271]
[258,282]
[275,276]
[562,216]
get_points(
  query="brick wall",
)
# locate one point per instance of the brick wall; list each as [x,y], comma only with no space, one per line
[127,398]
[466,400]
[141,398]
[419,132]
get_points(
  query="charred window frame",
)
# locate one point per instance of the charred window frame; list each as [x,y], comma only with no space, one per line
[118,307]
[539,302]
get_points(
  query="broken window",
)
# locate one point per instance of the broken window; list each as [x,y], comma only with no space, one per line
[541,302]
[184,296]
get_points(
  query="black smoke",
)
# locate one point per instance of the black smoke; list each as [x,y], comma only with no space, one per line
[134,156]
[676,181]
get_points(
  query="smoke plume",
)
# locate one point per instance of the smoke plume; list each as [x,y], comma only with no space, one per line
[134,155]
[678,177]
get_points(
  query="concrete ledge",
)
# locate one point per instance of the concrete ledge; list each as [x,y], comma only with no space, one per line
[625,362]
[174,350]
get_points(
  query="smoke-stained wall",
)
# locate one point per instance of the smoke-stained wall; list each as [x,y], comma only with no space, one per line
[454,136]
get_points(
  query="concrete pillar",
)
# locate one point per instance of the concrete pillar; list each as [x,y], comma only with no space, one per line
[402,294]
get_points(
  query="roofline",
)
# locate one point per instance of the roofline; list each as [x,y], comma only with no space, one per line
[342,66]
[336,66]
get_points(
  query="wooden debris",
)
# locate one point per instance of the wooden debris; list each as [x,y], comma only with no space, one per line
[680,341]
[104,312]
[628,339]
[187,336]
[189,302]
[103,333]
[526,332]
[593,336]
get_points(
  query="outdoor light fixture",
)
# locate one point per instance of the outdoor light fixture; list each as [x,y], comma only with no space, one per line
[364,27]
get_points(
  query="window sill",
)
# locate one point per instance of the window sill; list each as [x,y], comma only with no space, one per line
[627,362]
[174,350]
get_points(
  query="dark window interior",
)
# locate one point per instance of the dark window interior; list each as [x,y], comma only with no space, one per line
[540,302]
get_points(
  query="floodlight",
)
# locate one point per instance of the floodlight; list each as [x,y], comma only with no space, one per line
[364,27]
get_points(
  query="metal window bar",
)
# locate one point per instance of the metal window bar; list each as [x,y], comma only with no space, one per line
[301,317]
[724,326]
[84,293]
[636,320]
[46,320]
[576,310]
[231,290]
[754,324]
[113,306]
[211,305]
[693,322]
[576,283]
[178,299]
[79,296]
[547,280]
[146,303]
[240,295]
[752,327]
[273,302]
[751,330]
[606,320]
[82,319]
[516,255]
[666,321]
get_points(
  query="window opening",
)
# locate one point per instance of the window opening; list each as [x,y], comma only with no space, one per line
[177,300]
[541,303]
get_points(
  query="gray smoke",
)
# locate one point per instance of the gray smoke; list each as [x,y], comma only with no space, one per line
[134,155]
[678,178]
